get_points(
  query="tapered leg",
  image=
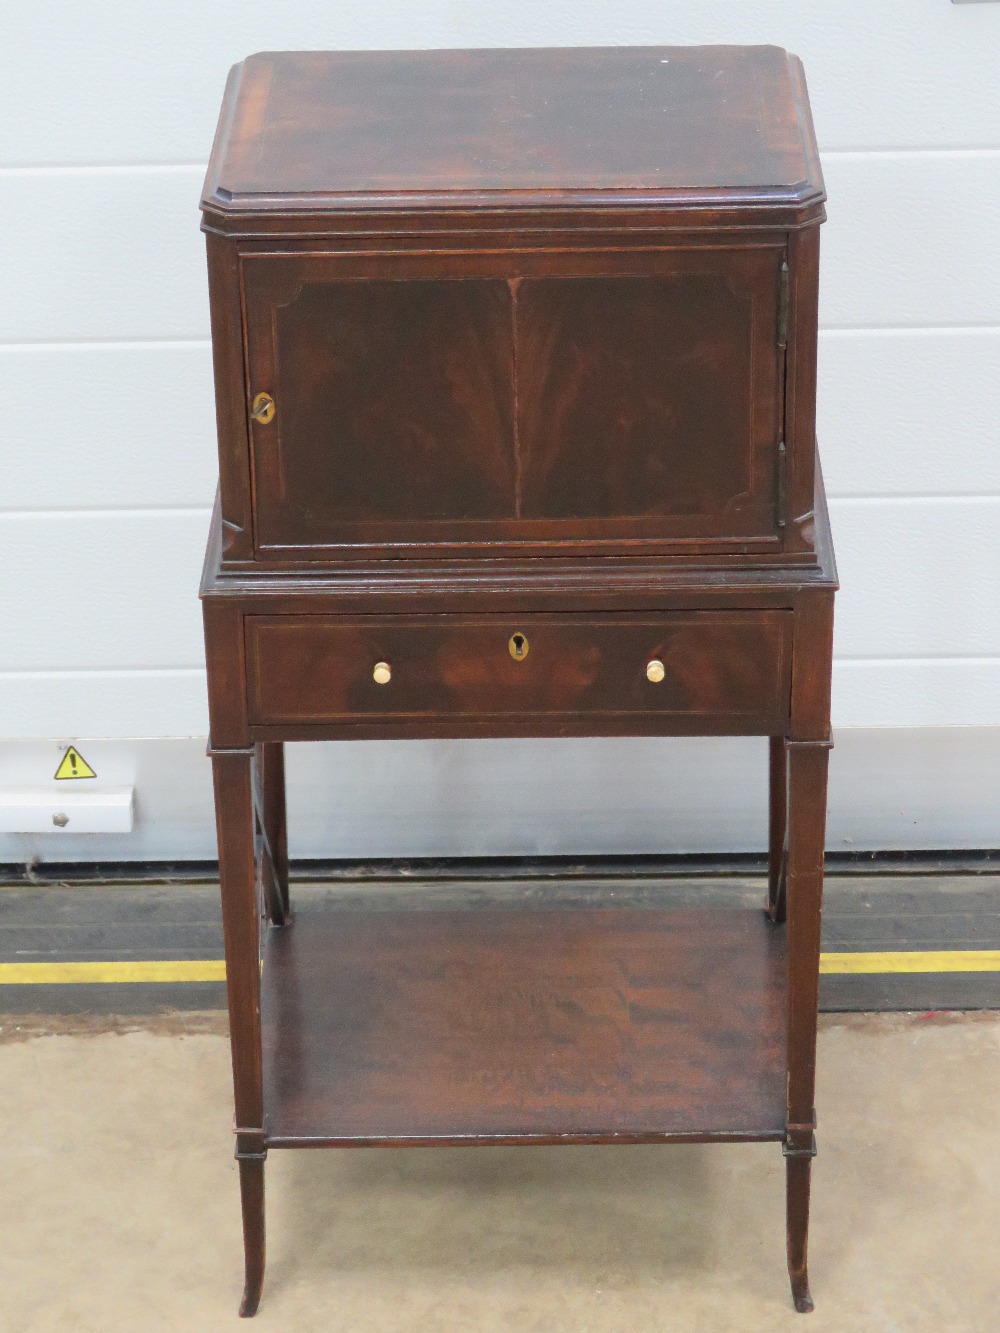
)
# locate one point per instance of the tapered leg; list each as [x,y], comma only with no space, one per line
[778,824]
[241,916]
[252,1199]
[798,1170]
[270,764]
[807,769]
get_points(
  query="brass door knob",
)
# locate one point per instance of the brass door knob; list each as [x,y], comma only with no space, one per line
[382,673]
[262,409]
[655,671]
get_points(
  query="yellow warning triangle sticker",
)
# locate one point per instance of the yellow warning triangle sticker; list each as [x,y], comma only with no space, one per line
[73,765]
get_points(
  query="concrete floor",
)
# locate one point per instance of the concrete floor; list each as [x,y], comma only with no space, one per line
[120,1206]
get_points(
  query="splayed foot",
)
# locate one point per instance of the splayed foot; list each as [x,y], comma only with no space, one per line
[800,1293]
[251,1297]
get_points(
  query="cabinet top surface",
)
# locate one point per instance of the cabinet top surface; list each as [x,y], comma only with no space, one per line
[682,127]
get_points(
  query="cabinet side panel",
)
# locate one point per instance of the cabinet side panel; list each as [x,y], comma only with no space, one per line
[800,388]
[230,398]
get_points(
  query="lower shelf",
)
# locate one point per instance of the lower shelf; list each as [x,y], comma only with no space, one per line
[524,1025]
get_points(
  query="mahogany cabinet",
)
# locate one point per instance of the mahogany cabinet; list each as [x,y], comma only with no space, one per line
[515,376]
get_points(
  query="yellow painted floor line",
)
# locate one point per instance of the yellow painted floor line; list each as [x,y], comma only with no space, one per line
[214,969]
[74,974]
[929,960]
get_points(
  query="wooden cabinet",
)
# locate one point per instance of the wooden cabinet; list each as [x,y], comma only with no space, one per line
[515,375]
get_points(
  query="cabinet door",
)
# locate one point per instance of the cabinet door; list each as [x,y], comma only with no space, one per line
[653,399]
[394,403]
[532,401]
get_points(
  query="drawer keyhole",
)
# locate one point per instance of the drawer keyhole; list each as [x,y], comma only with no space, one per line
[517,646]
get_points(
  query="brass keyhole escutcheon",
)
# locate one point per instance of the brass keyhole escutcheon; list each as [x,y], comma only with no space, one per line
[382,673]
[517,646]
[262,409]
[655,671]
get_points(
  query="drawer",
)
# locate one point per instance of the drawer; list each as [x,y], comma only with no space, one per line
[726,671]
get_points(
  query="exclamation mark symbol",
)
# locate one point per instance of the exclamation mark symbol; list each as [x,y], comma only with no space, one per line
[73,765]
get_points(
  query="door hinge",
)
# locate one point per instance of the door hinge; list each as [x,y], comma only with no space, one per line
[781,500]
[783,305]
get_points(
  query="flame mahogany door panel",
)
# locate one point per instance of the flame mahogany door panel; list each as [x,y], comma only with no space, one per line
[523,402]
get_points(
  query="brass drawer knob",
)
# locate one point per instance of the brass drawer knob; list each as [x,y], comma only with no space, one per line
[262,409]
[655,671]
[382,673]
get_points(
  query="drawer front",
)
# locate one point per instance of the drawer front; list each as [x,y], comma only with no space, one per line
[727,668]
[586,401]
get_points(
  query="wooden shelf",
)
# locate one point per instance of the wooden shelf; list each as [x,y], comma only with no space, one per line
[523,1025]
